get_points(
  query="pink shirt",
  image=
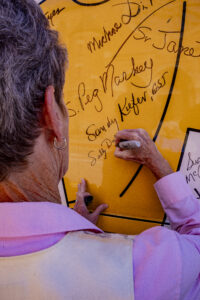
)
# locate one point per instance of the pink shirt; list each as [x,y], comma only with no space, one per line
[166,263]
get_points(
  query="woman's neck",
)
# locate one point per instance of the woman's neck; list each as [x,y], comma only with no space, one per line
[29,188]
[37,183]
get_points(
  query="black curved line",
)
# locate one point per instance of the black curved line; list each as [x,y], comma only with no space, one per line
[130,35]
[132,219]
[82,3]
[175,73]
[90,4]
[131,181]
[169,95]
[164,220]
[65,192]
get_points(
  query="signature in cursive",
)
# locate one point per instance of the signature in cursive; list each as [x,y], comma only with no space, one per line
[110,79]
[101,153]
[192,162]
[93,131]
[51,15]
[86,98]
[134,104]
[130,10]
[166,40]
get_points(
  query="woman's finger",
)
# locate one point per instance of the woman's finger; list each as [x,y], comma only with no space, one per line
[82,186]
[94,216]
[124,154]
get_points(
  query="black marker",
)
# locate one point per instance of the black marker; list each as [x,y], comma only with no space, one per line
[88,200]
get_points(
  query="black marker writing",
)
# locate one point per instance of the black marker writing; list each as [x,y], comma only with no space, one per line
[131,105]
[98,43]
[192,162]
[93,131]
[160,83]
[50,16]
[101,152]
[85,99]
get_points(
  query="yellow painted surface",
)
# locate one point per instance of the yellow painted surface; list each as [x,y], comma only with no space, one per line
[122,55]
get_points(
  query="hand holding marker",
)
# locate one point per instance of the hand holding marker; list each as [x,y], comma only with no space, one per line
[126,145]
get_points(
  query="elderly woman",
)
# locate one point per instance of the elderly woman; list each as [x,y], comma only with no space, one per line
[47,250]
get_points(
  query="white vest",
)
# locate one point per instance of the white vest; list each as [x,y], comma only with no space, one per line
[82,266]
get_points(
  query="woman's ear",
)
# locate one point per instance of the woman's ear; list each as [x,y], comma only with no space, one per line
[52,114]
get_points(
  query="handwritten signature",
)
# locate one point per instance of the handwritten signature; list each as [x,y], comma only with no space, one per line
[166,40]
[193,168]
[87,98]
[192,162]
[105,145]
[133,105]
[93,131]
[51,15]
[110,79]
[131,10]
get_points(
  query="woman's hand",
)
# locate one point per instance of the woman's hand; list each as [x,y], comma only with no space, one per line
[147,154]
[80,206]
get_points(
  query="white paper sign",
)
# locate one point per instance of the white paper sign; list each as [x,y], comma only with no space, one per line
[189,163]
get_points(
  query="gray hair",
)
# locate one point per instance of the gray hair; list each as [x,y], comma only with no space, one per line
[31,59]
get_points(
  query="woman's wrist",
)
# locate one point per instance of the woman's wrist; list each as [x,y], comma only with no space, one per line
[159,166]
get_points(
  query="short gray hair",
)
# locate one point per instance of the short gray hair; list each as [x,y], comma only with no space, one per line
[31,59]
